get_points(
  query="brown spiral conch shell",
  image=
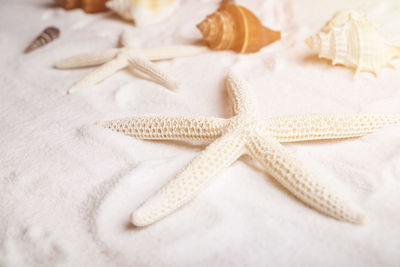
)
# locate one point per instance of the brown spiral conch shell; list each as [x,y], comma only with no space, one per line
[89,6]
[48,35]
[68,4]
[94,6]
[234,27]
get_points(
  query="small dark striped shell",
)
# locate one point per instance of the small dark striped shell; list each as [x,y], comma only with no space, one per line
[48,35]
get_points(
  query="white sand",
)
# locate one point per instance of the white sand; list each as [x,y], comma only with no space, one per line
[68,187]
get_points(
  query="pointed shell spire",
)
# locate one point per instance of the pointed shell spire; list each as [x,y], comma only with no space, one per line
[48,35]
[234,27]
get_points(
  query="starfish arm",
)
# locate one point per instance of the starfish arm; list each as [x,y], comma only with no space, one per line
[169,52]
[126,39]
[330,126]
[155,53]
[87,60]
[291,173]
[242,97]
[218,155]
[153,71]
[167,128]
[100,73]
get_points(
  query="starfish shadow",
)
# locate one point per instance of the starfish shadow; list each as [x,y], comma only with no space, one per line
[191,144]
[91,205]
[322,142]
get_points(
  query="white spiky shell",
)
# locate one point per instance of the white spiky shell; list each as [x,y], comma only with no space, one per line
[350,39]
[143,12]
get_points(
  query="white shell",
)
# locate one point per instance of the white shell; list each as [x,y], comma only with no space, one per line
[350,39]
[143,12]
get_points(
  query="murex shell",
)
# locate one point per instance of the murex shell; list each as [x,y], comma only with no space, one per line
[143,12]
[234,27]
[350,39]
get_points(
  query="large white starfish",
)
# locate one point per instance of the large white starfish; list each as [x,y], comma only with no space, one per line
[245,134]
[119,58]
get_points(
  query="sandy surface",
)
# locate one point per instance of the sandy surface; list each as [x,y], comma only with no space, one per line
[67,186]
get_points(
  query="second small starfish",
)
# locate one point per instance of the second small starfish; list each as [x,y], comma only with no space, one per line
[119,58]
[246,134]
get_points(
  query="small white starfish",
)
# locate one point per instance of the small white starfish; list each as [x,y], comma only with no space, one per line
[119,58]
[245,134]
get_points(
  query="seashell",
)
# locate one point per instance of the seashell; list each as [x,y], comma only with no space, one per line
[350,39]
[48,35]
[94,6]
[89,6]
[234,27]
[143,12]
[68,4]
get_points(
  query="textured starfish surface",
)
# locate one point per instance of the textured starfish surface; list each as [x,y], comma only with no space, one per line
[244,133]
[115,59]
